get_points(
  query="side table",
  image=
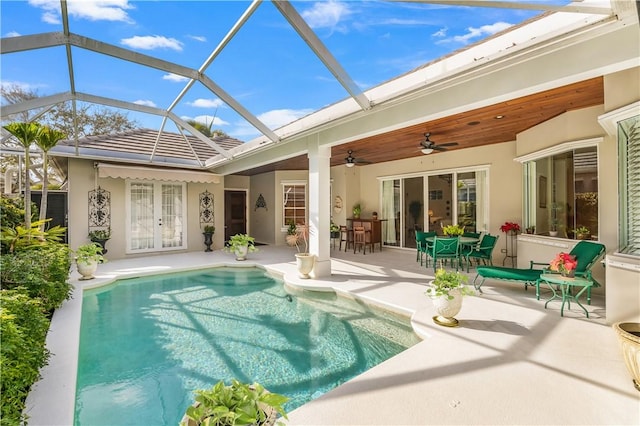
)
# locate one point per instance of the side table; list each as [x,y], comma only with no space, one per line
[566,285]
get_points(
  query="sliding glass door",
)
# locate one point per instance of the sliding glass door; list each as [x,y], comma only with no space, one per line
[430,202]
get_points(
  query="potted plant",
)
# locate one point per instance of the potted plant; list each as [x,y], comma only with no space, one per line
[510,228]
[553,228]
[453,230]
[87,258]
[334,230]
[304,260]
[208,232]
[629,339]
[100,236]
[374,215]
[564,263]
[240,245]
[415,207]
[357,209]
[292,234]
[446,292]
[530,230]
[582,233]
[234,404]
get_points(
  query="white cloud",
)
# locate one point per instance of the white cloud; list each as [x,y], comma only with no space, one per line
[206,103]
[174,77]
[279,117]
[145,103]
[12,34]
[198,38]
[485,30]
[442,32]
[98,10]
[327,14]
[152,42]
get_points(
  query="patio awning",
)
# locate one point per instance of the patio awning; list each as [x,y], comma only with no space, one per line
[149,173]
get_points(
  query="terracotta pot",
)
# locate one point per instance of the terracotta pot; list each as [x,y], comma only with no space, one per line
[629,338]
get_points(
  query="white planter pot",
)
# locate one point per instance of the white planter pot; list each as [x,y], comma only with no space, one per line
[553,233]
[629,339]
[305,262]
[447,309]
[87,269]
[241,252]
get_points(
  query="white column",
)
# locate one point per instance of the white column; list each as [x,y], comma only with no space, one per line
[319,214]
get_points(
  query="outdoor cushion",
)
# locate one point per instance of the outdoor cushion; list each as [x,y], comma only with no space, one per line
[529,276]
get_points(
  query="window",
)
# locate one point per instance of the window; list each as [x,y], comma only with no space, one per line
[294,196]
[561,191]
[629,158]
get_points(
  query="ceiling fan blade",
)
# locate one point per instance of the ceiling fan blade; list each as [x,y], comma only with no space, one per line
[438,148]
[448,144]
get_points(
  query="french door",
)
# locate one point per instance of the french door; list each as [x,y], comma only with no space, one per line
[156,213]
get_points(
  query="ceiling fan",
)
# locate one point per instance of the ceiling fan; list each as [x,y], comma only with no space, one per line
[427,146]
[351,161]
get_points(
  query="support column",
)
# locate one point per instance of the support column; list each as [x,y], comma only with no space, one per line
[319,214]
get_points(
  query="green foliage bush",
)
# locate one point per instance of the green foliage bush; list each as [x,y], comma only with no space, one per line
[24,326]
[41,272]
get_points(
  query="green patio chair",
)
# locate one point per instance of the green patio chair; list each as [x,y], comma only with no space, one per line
[445,248]
[483,251]
[586,253]
[423,246]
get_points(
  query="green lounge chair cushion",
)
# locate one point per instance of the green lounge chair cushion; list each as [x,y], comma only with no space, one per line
[504,273]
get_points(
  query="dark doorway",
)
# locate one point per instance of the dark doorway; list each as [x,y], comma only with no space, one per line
[56,208]
[235,213]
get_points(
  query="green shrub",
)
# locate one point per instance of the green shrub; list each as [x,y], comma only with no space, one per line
[41,272]
[24,326]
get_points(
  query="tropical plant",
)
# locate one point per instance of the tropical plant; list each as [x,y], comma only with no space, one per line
[26,134]
[23,326]
[100,234]
[241,240]
[22,238]
[89,252]
[234,404]
[292,229]
[209,229]
[303,235]
[42,273]
[453,230]
[47,139]
[445,281]
[582,230]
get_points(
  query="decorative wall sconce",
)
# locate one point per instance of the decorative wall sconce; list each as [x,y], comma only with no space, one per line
[260,203]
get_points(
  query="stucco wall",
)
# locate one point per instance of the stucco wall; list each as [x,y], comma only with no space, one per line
[82,180]
[263,222]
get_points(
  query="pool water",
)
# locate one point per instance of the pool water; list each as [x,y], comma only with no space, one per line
[148,343]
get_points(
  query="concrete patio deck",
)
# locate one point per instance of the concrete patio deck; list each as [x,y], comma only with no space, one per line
[511,361]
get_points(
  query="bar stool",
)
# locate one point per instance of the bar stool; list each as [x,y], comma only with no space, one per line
[359,239]
[346,236]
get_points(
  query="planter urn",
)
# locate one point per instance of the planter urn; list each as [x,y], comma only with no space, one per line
[87,269]
[305,262]
[208,240]
[447,309]
[629,339]
[241,252]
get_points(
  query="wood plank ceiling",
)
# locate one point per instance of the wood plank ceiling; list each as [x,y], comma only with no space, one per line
[468,129]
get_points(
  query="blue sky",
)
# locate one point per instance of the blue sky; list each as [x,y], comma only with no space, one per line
[266,67]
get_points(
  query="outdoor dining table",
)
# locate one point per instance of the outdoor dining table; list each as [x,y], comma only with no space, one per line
[464,241]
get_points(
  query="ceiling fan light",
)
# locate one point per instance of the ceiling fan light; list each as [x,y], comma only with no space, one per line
[427,151]
[350,164]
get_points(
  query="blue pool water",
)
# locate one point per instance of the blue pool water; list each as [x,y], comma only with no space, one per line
[147,343]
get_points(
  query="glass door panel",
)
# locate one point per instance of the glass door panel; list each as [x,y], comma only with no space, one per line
[466,211]
[172,220]
[440,196]
[391,212]
[413,208]
[141,216]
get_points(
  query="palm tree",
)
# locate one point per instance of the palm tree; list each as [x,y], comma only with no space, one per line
[47,139]
[26,133]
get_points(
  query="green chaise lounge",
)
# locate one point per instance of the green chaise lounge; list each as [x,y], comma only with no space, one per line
[585,252]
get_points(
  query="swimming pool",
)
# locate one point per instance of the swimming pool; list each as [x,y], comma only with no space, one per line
[147,343]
